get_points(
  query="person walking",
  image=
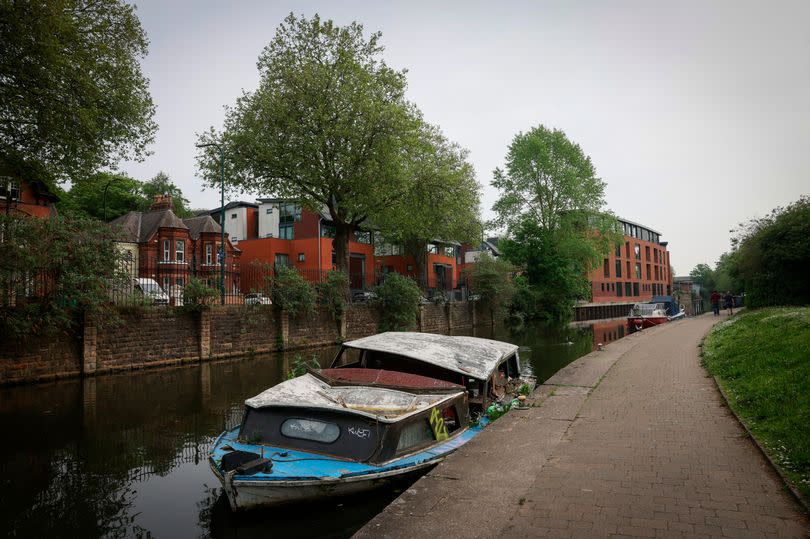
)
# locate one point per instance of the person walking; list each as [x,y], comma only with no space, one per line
[715,299]
[729,300]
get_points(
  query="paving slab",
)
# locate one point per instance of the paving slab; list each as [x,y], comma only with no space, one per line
[630,441]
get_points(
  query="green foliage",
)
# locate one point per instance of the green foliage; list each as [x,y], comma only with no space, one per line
[333,292]
[398,298]
[292,293]
[86,198]
[772,257]
[53,272]
[328,126]
[525,389]
[299,366]
[73,96]
[551,202]
[161,184]
[762,359]
[197,295]
[491,279]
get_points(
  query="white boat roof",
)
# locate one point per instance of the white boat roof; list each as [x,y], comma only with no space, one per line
[387,405]
[471,356]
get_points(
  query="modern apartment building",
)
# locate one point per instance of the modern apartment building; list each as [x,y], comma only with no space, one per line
[636,271]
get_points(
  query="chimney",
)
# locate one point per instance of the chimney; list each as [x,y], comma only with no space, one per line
[161,202]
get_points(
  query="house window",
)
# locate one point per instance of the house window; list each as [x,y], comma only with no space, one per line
[432,249]
[618,251]
[166,283]
[635,289]
[627,249]
[282,260]
[638,270]
[289,213]
[449,251]
[9,188]
[167,248]
[637,250]
[209,254]
[233,216]
[180,250]
[301,257]
[327,231]
[606,268]
[618,268]
[268,211]
[628,269]
[285,232]
[648,272]
[362,236]
[179,281]
[619,290]
[628,288]
[647,253]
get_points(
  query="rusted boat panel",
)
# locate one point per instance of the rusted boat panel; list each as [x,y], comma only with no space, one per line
[387,379]
[472,356]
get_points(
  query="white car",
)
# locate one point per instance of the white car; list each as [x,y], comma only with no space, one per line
[150,289]
[257,299]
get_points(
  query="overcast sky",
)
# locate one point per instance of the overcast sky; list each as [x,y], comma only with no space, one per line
[695,114]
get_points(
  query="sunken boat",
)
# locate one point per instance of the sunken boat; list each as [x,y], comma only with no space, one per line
[339,432]
[489,370]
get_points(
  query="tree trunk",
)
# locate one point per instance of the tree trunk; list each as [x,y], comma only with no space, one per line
[343,233]
[417,249]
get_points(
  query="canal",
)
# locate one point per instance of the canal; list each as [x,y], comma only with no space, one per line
[125,455]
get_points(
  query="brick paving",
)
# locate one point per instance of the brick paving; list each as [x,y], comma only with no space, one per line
[654,452]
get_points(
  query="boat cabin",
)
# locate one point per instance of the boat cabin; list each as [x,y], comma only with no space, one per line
[363,423]
[647,310]
[484,367]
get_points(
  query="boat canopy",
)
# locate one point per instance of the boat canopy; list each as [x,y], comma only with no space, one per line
[648,309]
[411,383]
[386,405]
[471,356]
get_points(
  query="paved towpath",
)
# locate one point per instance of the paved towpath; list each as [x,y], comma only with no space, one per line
[633,441]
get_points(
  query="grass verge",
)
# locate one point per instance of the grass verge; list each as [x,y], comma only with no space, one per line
[762,360]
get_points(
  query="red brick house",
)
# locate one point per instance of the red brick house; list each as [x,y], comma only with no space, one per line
[22,197]
[171,250]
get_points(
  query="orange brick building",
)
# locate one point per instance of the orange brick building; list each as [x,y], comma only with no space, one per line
[26,198]
[636,271]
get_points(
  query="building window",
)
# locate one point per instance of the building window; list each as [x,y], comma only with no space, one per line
[167,250]
[618,268]
[606,268]
[449,251]
[603,287]
[301,257]
[285,232]
[627,249]
[432,249]
[362,236]
[647,253]
[619,290]
[635,289]
[289,213]
[233,216]
[9,189]
[618,251]
[166,283]
[282,260]
[268,211]
[628,288]
[648,272]
[179,281]
[637,250]
[657,273]
[209,254]
[180,250]
[628,269]
[638,270]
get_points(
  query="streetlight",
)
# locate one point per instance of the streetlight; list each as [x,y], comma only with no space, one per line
[221,254]
[114,179]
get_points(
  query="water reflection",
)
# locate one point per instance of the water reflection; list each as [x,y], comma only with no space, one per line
[125,455]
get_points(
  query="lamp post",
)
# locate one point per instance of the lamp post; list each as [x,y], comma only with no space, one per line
[221,254]
[105,196]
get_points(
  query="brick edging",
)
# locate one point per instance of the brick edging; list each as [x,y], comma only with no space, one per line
[788,483]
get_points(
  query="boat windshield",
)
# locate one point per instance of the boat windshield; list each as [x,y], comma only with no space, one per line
[645,309]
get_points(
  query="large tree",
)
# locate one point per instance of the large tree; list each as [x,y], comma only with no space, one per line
[551,202]
[161,184]
[328,126]
[72,95]
[442,204]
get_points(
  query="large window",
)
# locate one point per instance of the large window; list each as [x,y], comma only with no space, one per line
[637,250]
[282,260]
[167,250]
[635,289]
[209,254]
[606,268]
[286,232]
[618,251]
[289,213]
[618,268]
[628,288]
[638,270]
[619,290]
[180,250]
[9,188]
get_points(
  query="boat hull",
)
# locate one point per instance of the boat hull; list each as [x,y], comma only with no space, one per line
[246,494]
[637,323]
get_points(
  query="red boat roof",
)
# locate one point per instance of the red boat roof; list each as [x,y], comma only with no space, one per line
[383,378]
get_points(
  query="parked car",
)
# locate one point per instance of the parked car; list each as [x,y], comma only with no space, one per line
[176,295]
[363,295]
[150,289]
[257,299]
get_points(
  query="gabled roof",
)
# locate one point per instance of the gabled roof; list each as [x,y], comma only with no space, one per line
[386,405]
[203,223]
[472,356]
[234,204]
[140,226]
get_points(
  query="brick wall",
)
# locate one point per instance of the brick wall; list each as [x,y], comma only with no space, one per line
[243,329]
[361,320]
[318,329]
[38,359]
[434,318]
[461,315]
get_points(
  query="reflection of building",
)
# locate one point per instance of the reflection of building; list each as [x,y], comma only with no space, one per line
[170,250]
[608,331]
[635,271]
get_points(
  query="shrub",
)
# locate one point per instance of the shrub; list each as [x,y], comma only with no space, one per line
[292,293]
[333,292]
[299,365]
[197,295]
[398,298]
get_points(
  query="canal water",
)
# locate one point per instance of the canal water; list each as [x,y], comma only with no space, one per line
[125,455]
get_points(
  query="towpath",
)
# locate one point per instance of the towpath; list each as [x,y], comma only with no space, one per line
[631,441]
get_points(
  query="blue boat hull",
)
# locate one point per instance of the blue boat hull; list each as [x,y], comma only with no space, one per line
[298,476]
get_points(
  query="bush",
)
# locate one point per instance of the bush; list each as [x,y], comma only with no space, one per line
[333,292]
[398,298]
[292,293]
[299,366]
[197,295]
[491,279]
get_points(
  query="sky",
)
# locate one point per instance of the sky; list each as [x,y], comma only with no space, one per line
[695,114]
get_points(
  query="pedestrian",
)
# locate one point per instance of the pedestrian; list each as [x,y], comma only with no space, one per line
[729,300]
[715,299]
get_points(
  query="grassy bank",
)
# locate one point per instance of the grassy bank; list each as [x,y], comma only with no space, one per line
[762,359]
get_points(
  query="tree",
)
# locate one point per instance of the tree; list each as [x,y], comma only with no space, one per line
[703,275]
[86,198]
[443,203]
[329,126]
[161,184]
[552,205]
[73,98]
[491,279]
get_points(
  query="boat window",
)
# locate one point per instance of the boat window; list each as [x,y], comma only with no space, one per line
[310,429]
[347,356]
[450,418]
[417,433]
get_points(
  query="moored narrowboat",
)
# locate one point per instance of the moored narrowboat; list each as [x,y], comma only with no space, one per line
[332,433]
[646,315]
